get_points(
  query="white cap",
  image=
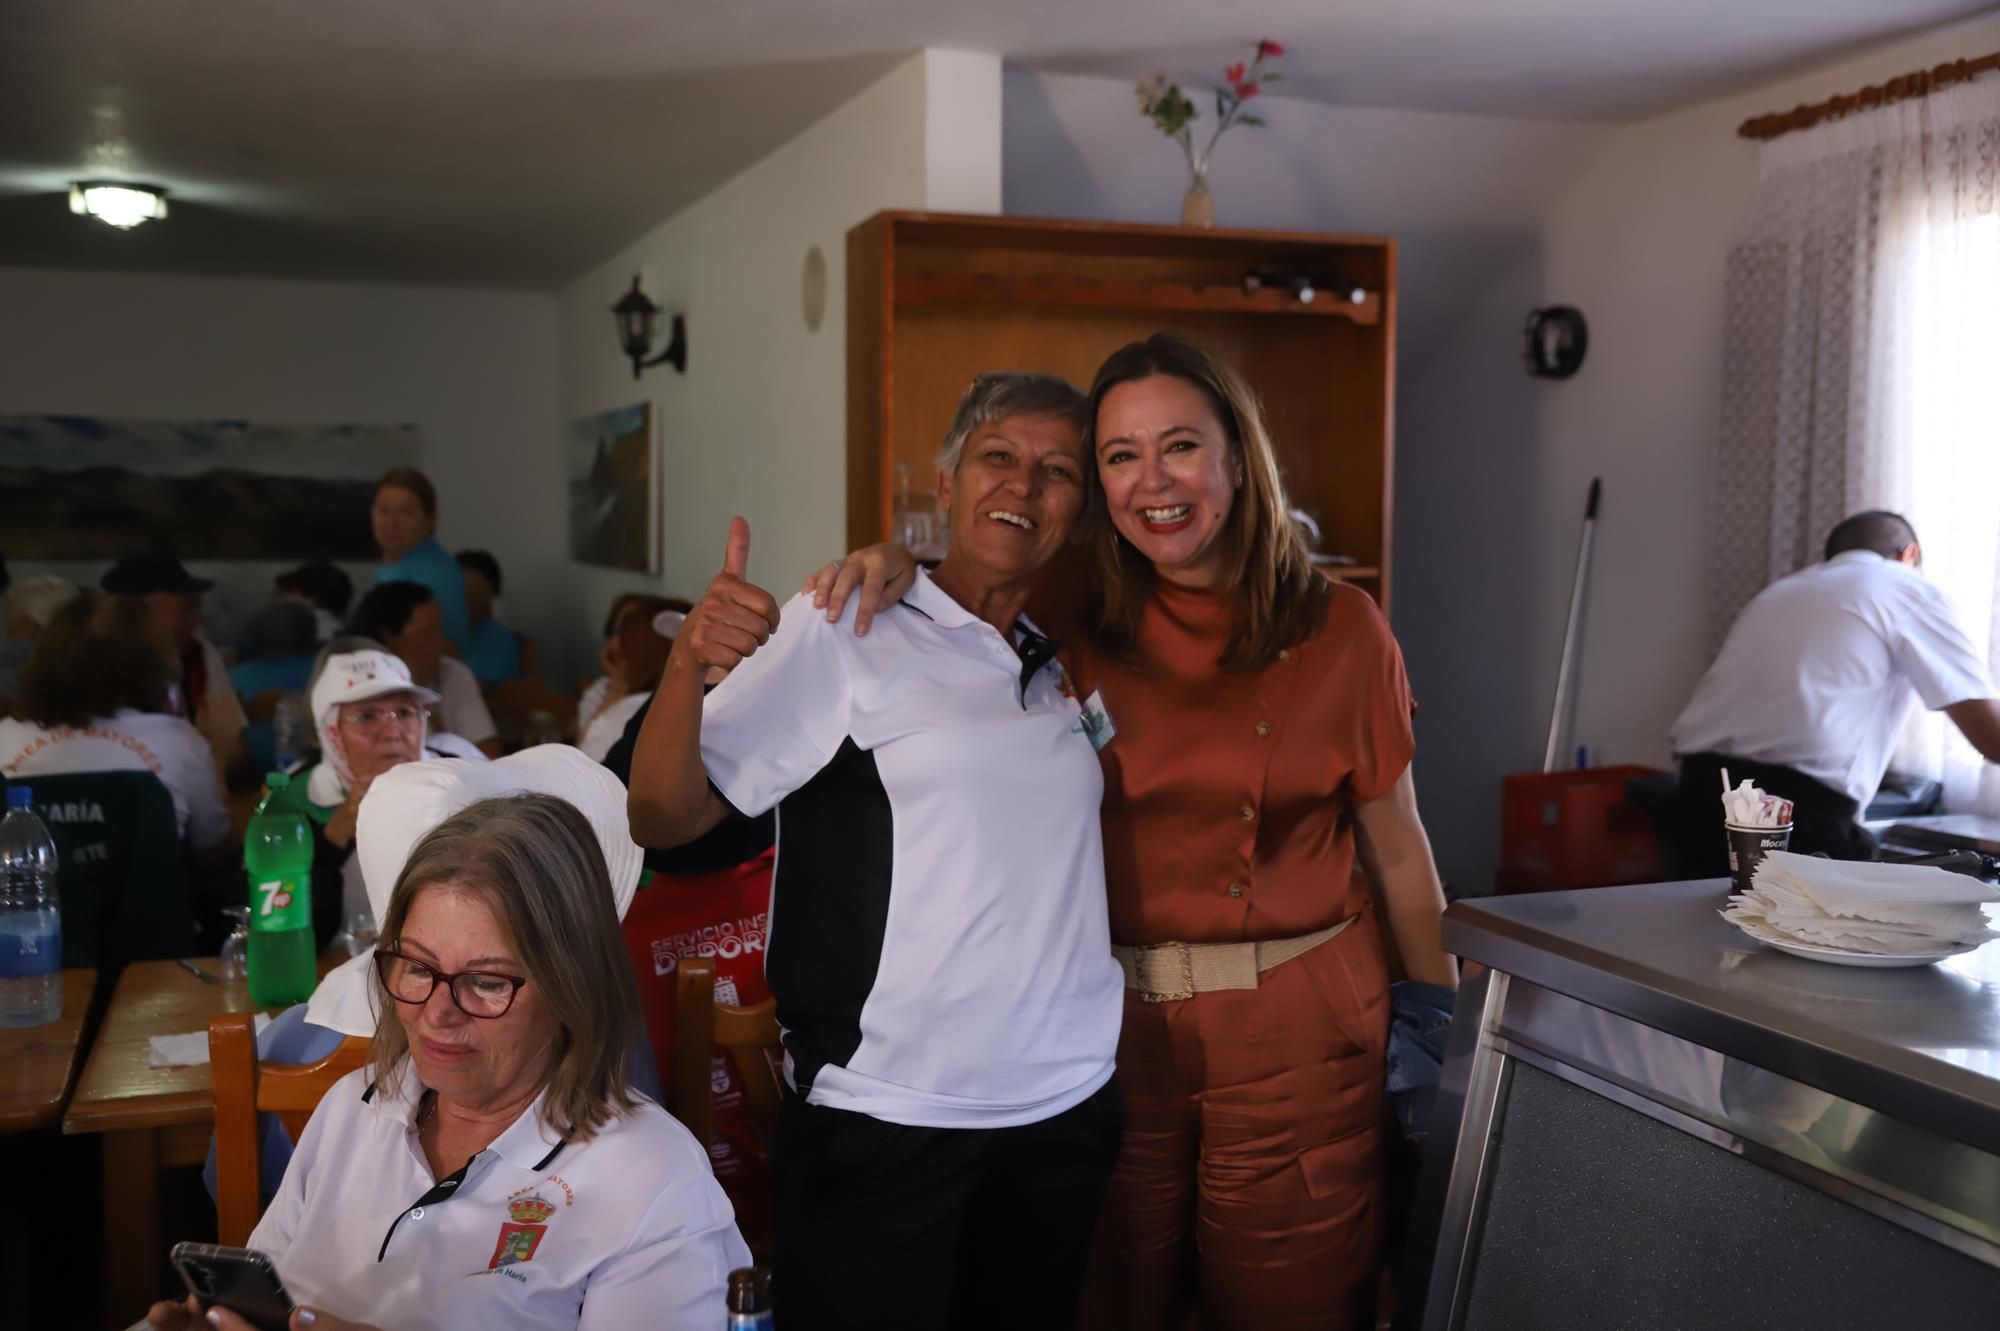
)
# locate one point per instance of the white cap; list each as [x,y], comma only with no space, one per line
[668,622]
[406,802]
[359,676]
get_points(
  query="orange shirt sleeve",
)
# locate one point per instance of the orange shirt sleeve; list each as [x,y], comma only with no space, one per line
[1373,721]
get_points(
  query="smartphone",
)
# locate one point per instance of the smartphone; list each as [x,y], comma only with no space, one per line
[239,1279]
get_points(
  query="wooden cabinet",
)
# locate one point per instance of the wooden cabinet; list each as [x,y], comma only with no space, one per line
[934,298]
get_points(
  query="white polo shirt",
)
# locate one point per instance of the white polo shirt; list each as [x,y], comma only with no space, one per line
[1820,672]
[939,944]
[462,709]
[607,727]
[167,746]
[628,1229]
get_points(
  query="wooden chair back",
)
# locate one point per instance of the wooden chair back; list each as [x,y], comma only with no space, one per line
[244,1088]
[749,1037]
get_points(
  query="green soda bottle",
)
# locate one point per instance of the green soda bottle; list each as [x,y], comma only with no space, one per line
[277,857]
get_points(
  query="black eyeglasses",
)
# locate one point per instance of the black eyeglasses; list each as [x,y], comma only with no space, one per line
[481,994]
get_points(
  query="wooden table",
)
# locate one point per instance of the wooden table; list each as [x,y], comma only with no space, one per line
[38,1063]
[149,1117]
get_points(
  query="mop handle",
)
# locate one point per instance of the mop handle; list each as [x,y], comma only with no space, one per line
[1560,710]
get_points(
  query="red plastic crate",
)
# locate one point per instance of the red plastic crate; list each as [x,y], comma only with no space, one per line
[1562,830]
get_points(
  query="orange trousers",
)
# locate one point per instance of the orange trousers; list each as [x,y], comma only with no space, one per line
[1248,1188]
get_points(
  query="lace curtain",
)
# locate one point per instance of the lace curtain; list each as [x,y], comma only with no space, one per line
[1862,367]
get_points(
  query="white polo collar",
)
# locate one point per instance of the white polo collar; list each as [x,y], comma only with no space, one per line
[528,1143]
[941,608]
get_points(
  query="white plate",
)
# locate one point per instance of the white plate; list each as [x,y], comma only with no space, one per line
[1876,960]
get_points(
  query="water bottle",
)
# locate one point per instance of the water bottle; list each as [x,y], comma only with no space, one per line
[750,1299]
[290,731]
[30,917]
[277,857]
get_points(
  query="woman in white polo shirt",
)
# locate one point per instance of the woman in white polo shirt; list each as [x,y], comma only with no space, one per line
[490,1168]
[939,948]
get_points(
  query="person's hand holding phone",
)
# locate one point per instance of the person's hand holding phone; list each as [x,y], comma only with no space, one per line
[188,1316]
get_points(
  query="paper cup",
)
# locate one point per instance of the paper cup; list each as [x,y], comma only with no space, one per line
[1749,845]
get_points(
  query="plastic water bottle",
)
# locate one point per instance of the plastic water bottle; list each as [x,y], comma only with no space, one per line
[30,917]
[278,856]
[290,729]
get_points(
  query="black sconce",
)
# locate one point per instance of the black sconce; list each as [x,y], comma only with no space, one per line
[639,324]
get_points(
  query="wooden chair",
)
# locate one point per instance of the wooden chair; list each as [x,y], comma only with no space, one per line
[749,1034]
[243,1089]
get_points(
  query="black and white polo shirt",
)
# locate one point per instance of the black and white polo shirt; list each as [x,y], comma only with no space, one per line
[939,945]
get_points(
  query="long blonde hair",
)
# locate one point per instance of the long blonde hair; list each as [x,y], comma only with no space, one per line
[536,862]
[1267,570]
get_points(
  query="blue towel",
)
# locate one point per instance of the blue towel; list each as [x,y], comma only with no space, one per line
[1419,1017]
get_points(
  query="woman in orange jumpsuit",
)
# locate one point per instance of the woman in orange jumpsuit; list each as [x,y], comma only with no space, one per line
[1258,743]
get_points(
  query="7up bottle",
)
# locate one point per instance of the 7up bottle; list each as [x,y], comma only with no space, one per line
[278,856]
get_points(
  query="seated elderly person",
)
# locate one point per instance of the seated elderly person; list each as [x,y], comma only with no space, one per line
[939,948]
[635,659]
[94,699]
[369,717]
[490,1167]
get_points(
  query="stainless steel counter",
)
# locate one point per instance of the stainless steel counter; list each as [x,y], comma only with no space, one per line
[1854,1111]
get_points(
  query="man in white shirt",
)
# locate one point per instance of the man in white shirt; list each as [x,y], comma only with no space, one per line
[1812,689]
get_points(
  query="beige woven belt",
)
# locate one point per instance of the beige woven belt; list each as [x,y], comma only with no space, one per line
[1168,972]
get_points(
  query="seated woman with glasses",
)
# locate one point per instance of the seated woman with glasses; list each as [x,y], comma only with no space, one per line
[370,717]
[490,1167]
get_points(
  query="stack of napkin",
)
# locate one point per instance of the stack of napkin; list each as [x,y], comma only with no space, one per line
[1885,909]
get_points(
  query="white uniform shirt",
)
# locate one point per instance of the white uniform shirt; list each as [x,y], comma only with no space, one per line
[593,699]
[608,726]
[940,947]
[1820,672]
[168,747]
[462,710]
[626,1230]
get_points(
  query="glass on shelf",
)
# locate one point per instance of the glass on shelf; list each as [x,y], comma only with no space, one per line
[915,524]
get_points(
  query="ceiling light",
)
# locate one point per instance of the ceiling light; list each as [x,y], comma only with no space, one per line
[123,206]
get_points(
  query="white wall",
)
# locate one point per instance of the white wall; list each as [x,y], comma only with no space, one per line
[758,425]
[476,371]
[1639,242]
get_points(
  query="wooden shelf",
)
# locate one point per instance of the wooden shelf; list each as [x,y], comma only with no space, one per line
[933,299]
[916,289]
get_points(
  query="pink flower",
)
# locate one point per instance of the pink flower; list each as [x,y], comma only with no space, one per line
[1247,91]
[1268,48]
[1234,74]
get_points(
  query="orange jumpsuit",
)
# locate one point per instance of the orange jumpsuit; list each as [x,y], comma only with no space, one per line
[1248,1184]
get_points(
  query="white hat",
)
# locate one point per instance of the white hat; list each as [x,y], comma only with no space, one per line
[406,802]
[668,622]
[359,676]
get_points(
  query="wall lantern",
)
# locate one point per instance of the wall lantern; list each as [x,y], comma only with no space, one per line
[639,323]
[122,206]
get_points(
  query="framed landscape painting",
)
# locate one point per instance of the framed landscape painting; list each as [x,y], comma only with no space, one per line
[84,487]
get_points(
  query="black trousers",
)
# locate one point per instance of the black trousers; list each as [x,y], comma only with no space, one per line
[880,1225]
[1823,819]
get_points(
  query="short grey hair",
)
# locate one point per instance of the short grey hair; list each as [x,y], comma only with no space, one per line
[997,394]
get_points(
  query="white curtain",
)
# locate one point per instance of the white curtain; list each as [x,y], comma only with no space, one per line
[1862,368]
